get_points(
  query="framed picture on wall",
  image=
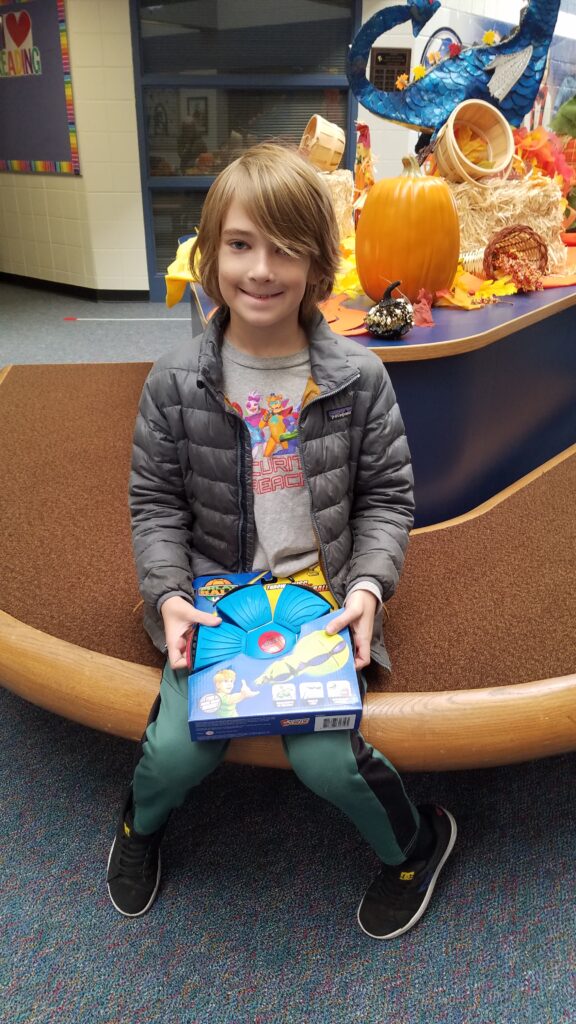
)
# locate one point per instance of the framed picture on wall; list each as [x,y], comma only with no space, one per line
[197,109]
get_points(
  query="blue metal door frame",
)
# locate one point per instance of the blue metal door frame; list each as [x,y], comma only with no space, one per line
[150,184]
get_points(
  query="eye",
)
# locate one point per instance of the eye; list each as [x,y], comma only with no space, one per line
[237,245]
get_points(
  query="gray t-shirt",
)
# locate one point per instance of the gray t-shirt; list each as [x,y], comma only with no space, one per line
[267,393]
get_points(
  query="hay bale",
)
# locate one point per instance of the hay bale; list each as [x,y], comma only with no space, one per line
[341,186]
[484,211]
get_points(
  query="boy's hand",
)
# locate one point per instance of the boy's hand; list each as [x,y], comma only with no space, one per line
[179,618]
[359,616]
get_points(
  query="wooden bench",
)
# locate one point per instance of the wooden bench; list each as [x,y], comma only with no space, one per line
[481,631]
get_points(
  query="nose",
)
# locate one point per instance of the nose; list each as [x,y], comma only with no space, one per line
[261,268]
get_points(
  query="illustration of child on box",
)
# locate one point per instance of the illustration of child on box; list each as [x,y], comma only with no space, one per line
[224,681]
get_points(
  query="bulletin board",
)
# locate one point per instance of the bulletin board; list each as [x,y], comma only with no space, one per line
[37,120]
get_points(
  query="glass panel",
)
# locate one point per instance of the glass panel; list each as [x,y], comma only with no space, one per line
[199,131]
[216,37]
[175,214]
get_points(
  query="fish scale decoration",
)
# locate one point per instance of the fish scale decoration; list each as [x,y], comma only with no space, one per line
[506,74]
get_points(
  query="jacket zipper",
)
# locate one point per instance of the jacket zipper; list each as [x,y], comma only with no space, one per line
[240,475]
[321,550]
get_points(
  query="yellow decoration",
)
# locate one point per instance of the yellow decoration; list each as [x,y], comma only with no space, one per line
[178,274]
[418,72]
[401,82]
[435,57]
[472,146]
[490,37]
[347,280]
[470,292]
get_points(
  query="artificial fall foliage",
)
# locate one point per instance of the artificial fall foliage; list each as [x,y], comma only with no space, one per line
[422,309]
[471,292]
[347,280]
[543,150]
[472,146]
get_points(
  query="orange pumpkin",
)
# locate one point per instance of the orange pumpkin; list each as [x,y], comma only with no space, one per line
[408,230]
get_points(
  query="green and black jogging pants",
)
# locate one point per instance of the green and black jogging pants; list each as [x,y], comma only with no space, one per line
[338,766]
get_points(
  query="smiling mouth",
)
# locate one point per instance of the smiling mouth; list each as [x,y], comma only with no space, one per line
[260,298]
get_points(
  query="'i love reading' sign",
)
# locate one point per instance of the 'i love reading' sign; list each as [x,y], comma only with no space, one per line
[36,109]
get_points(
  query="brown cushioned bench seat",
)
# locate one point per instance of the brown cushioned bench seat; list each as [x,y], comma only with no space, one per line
[481,631]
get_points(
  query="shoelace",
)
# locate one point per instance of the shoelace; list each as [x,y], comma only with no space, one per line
[133,857]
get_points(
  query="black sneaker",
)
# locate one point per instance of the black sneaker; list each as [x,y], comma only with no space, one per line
[398,896]
[133,867]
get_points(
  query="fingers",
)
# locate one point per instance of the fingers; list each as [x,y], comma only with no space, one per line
[177,633]
[177,652]
[176,660]
[361,651]
[337,625]
[206,618]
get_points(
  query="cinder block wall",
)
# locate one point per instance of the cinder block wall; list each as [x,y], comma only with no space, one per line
[89,230]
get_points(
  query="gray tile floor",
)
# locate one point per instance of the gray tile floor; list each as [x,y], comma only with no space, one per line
[34,328]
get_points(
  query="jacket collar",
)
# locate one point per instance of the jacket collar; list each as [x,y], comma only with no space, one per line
[330,364]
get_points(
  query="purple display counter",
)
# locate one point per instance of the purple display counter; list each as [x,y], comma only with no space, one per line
[486,396]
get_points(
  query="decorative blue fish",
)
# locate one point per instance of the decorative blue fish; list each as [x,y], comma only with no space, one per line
[506,74]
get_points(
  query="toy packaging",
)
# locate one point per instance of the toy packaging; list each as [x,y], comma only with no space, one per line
[269,667]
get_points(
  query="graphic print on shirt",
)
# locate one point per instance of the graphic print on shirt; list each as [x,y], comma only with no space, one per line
[273,424]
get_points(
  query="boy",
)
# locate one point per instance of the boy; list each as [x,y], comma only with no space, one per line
[203,500]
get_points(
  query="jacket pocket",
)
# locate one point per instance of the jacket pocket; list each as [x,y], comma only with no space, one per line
[380,654]
[378,647]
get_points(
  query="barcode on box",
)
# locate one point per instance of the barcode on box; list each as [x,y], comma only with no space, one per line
[324,722]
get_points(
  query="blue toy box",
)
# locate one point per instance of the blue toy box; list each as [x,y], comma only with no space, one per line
[270,668]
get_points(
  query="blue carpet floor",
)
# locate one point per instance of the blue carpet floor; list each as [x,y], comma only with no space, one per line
[255,922]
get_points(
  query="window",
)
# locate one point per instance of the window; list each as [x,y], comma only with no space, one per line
[217,76]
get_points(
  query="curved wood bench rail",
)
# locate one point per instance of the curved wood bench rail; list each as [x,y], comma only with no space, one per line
[503,717]
[441,731]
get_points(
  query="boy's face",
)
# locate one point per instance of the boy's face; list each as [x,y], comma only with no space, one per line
[262,286]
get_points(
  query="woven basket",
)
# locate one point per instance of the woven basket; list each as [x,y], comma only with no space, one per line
[323,143]
[517,240]
[491,127]
[473,261]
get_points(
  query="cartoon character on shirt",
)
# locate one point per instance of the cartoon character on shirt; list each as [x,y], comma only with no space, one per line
[252,417]
[280,423]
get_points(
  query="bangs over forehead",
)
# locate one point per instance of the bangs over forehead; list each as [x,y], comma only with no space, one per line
[284,197]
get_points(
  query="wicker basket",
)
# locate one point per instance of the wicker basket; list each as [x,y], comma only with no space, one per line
[517,240]
[488,124]
[323,143]
[473,261]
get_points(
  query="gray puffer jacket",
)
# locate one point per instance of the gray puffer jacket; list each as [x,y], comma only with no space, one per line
[191,497]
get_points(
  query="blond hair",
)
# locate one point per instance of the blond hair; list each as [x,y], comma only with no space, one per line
[224,675]
[290,205]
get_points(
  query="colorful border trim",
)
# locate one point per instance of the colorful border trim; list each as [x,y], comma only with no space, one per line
[71,166]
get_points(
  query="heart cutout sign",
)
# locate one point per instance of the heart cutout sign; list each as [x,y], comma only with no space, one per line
[18,26]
